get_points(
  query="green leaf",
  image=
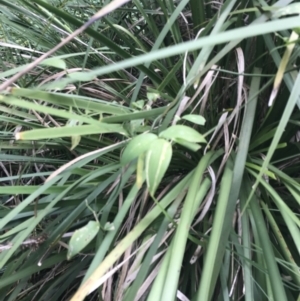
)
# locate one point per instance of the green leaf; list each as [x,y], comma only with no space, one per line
[139,104]
[81,76]
[66,131]
[288,10]
[82,237]
[197,119]
[157,161]
[190,145]
[55,62]
[256,167]
[109,227]
[137,146]
[182,132]
[152,96]
[75,141]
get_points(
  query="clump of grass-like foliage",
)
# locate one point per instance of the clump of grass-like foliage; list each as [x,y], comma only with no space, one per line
[150,154]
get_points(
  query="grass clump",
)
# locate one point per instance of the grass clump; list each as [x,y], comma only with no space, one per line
[141,158]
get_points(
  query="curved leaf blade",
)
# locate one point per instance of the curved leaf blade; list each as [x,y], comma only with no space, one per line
[137,146]
[182,132]
[82,237]
[157,161]
[194,118]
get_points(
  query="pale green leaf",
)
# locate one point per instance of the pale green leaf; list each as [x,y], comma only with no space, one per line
[82,237]
[81,76]
[75,141]
[137,146]
[182,132]
[190,145]
[291,9]
[197,119]
[55,62]
[109,226]
[66,131]
[152,96]
[157,161]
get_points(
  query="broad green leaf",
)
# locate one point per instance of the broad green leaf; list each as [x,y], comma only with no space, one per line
[190,145]
[182,132]
[197,119]
[137,146]
[135,125]
[82,237]
[55,62]
[157,161]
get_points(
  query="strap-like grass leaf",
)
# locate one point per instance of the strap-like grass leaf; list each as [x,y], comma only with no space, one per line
[82,237]
[137,146]
[182,132]
[291,9]
[157,161]
[66,131]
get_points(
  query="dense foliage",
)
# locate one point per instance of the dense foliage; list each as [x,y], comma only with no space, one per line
[153,154]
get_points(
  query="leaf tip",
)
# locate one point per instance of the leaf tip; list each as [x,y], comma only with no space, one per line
[272,97]
[18,136]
